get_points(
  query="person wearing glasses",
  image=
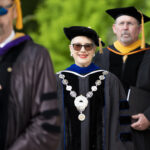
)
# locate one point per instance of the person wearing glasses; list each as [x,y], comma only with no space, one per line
[29,115]
[129,59]
[92,100]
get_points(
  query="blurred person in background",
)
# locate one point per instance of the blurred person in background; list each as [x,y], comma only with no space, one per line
[129,59]
[29,118]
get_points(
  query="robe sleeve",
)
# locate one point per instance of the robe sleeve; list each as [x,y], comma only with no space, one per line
[117,118]
[143,79]
[139,101]
[41,130]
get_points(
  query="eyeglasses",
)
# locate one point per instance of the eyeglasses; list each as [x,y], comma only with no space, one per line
[4,10]
[87,47]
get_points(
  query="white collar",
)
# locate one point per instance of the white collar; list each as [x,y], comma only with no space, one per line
[83,76]
[11,36]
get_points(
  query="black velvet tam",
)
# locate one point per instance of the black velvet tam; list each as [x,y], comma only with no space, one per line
[74,31]
[130,11]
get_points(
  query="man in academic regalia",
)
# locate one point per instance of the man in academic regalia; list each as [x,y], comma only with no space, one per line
[29,117]
[129,59]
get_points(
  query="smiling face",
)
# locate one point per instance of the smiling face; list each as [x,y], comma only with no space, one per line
[83,57]
[127,29]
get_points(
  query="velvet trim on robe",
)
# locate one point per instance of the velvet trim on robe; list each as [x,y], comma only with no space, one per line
[83,70]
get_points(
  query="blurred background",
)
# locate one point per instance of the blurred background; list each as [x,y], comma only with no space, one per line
[44,21]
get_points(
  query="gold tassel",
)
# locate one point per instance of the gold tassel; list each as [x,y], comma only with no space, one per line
[143,35]
[100,46]
[19,24]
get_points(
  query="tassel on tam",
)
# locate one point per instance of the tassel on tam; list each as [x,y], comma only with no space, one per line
[100,46]
[143,35]
[19,22]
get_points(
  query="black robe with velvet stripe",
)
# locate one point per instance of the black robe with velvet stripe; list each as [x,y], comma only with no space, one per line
[134,73]
[29,116]
[102,129]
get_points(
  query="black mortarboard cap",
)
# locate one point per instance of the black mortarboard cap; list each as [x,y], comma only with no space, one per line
[74,31]
[130,11]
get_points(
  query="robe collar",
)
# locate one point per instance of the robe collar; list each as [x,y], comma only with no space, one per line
[83,70]
[126,49]
[16,41]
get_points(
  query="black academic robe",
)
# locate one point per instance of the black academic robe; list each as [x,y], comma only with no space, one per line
[29,116]
[135,74]
[104,127]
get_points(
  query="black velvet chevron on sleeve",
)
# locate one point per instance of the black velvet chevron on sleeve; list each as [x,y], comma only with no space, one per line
[48,96]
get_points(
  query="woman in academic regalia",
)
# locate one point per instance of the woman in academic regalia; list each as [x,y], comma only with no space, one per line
[92,101]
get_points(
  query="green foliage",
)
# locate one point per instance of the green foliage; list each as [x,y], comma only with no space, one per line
[53,15]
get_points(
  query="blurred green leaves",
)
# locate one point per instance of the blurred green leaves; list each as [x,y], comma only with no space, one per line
[52,16]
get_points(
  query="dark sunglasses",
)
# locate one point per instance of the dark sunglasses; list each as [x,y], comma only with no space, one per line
[4,10]
[87,47]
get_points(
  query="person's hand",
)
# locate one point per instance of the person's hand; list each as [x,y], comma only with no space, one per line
[142,122]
